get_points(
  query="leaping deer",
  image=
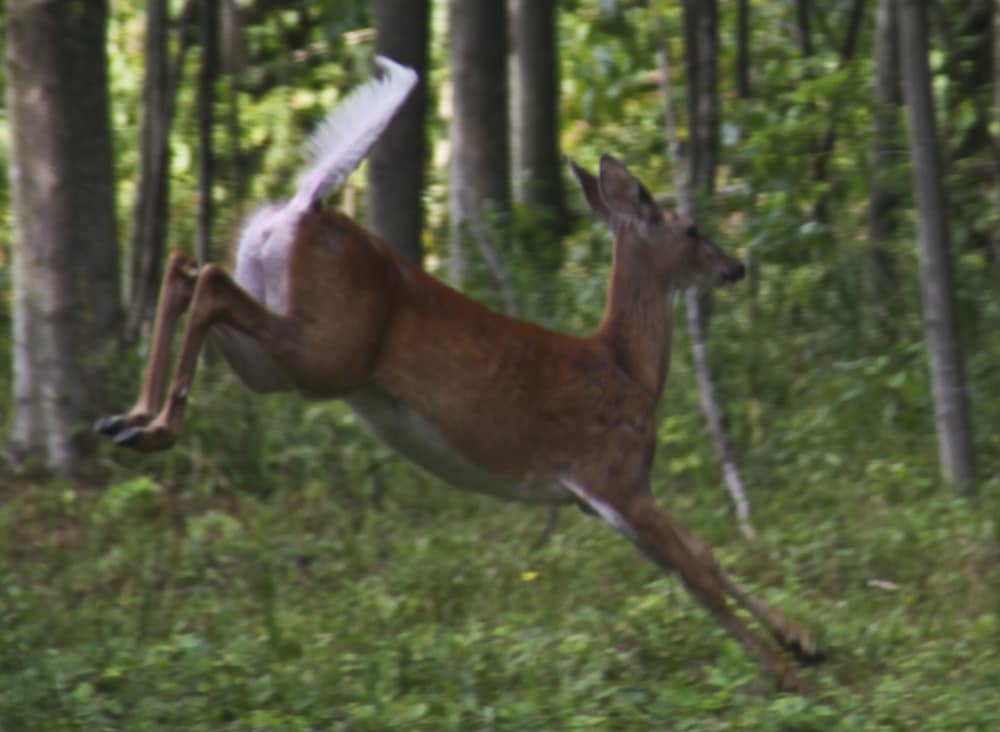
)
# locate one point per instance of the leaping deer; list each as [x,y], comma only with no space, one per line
[486,403]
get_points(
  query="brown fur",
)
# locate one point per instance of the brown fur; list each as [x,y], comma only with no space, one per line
[557,417]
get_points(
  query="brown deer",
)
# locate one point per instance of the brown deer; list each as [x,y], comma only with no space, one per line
[486,403]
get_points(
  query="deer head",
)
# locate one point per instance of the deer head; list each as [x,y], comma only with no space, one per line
[669,243]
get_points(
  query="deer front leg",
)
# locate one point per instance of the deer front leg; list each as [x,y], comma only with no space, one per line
[216,299]
[175,296]
[669,545]
[674,548]
[789,635]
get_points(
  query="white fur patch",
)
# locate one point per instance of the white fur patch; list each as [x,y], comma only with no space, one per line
[606,511]
[344,138]
[336,148]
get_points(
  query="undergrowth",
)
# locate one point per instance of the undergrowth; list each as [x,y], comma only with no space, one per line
[279,570]
[312,591]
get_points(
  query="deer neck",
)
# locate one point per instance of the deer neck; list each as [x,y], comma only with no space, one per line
[638,317]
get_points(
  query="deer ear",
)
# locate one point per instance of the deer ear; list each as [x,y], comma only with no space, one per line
[623,193]
[588,184]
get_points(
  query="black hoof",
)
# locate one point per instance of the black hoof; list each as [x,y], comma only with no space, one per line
[110,426]
[811,657]
[127,436]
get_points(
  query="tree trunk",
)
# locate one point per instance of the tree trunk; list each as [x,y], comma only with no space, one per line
[65,275]
[396,164]
[883,195]
[825,150]
[480,179]
[701,49]
[701,31]
[803,27]
[995,235]
[537,166]
[951,407]
[149,215]
[208,72]
[743,25]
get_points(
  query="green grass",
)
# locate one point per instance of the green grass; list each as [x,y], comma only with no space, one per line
[154,604]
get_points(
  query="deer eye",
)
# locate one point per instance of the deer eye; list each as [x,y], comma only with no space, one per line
[692,231]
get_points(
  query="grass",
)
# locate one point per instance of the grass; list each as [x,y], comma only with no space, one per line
[276,571]
[151,603]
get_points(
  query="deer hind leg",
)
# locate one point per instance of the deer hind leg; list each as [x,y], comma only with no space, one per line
[175,295]
[216,299]
[672,548]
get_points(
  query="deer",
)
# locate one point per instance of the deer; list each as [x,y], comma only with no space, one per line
[318,305]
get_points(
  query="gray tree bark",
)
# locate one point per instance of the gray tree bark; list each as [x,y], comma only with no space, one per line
[743,88]
[396,164]
[207,74]
[995,240]
[951,404]
[701,29]
[701,51]
[883,195]
[537,165]
[147,238]
[480,169]
[66,297]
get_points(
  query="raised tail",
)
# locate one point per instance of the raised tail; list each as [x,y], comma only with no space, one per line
[350,130]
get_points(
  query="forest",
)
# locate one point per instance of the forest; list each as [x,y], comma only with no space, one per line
[829,426]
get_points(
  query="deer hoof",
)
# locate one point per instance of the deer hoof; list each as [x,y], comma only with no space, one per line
[111,426]
[127,436]
[144,439]
[806,655]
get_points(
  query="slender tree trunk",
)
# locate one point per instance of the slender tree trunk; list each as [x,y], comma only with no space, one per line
[825,149]
[951,405]
[702,41]
[883,196]
[208,73]
[396,164]
[147,238]
[701,46]
[803,27]
[743,25]
[995,236]
[996,59]
[537,167]
[65,275]
[233,57]
[480,172]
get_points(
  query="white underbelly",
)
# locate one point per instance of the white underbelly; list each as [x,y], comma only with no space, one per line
[417,440]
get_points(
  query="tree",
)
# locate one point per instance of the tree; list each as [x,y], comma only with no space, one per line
[208,72]
[480,169]
[396,164]
[951,407]
[883,198]
[700,53]
[743,49]
[66,296]
[537,166]
[147,237]
[701,28]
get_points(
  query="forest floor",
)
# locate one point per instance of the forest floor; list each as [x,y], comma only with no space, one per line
[144,604]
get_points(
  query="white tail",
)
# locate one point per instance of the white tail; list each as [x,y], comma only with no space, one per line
[348,133]
[486,402]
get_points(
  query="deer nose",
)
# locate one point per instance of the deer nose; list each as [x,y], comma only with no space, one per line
[734,273]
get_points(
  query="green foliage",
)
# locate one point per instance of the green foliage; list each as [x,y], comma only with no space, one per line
[151,606]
